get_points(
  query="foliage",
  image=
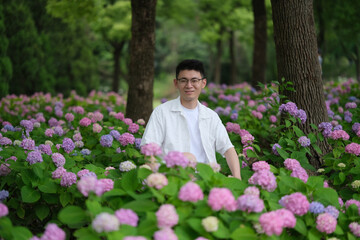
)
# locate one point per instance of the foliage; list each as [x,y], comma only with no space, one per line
[36,198]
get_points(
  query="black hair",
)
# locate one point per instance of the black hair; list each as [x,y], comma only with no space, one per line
[190,64]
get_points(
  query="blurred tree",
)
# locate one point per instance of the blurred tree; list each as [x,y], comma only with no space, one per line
[25,50]
[297,62]
[5,62]
[141,80]
[260,41]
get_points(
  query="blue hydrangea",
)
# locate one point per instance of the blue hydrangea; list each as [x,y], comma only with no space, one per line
[316,207]
[332,211]
[85,152]
[106,140]
[10,128]
[338,127]
[137,142]
[3,195]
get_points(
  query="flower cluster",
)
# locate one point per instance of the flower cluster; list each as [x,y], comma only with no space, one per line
[191,192]
[297,170]
[263,176]
[89,183]
[126,138]
[304,141]
[326,223]
[157,180]
[151,149]
[127,166]
[293,110]
[175,158]
[275,221]
[127,216]
[105,222]
[166,216]
[353,148]
[221,198]
[297,203]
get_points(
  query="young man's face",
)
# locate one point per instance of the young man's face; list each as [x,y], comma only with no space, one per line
[189,83]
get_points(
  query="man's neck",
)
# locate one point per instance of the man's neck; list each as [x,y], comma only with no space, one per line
[189,104]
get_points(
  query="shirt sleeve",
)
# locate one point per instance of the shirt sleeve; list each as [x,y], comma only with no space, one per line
[154,132]
[222,142]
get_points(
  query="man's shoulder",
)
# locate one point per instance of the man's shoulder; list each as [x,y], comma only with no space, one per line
[166,106]
[208,111]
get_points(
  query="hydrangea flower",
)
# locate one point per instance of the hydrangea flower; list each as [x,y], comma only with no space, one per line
[355,228]
[175,158]
[165,234]
[326,223]
[297,203]
[34,157]
[68,179]
[210,224]
[304,141]
[265,179]
[166,216]
[127,166]
[157,180]
[68,145]
[126,138]
[127,216]
[151,149]
[52,231]
[316,207]
[106,140]
[221,198]
[274,148]
[332,211]
[353,148]
[84,122]
[250,203]
[3,210]
[58,159]
[260,165]
[191,192]
[105,222]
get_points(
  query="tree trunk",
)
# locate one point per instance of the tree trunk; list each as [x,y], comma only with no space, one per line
[260,39]
[357,63]
[233,77]
[116,54]
[297,62]
[219,49]
[141,79]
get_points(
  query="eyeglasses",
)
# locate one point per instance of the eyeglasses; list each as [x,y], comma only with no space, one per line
[193,81]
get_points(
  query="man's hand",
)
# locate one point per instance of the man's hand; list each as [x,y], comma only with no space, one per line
[232,160]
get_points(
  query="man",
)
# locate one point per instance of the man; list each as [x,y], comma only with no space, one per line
[185,125]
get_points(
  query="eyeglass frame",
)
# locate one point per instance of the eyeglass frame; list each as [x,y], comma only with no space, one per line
[189,80]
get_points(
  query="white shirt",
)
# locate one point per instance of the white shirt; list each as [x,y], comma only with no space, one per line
[168,128]
[196,147]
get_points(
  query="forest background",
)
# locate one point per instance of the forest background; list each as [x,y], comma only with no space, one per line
[58,46]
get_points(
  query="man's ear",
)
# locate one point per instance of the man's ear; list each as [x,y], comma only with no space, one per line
[204,82]
[175,83]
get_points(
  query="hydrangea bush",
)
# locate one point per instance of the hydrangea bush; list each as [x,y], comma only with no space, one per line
[72,168]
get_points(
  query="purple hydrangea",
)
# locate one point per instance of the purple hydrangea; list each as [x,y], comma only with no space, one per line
[175,158]
[3,195]
[68,179]
[274,148]
[34,157]
[58,159]
[115,134]
[68,145]
[304,141]
[28,144]
[126,138]
[45,148]
[106,140]
[27,124]
[332,211]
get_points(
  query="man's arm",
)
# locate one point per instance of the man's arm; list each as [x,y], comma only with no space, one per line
[232,160]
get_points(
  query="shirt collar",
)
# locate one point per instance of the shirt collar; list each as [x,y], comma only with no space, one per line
[203,113]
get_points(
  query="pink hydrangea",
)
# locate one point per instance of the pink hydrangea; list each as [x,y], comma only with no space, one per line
[68,179]
[326,223]
[247,139]
[353,148]
[58,173]
[175,158]
[126,138]
[127,216]
[69,117]
[151,149]
[250,203]
[49,132]
[133,128]
[134,238]
[260,165]
[265,179]
[252,191]
[261,108]
[84,122]
[119,116]
[355,228]
[273,119]
[221,198]
[97,128]
[353,201]
[28,144]
[297,203]
[301,174]
[271,223]
[292,164]
[86,185]
[5,169]
[166,216]
[288,217]
[157,180]
[3,210]
[52,232]
[191,192]
[339,134]
[103,185]
[165,234]
[350,105]
[232,127]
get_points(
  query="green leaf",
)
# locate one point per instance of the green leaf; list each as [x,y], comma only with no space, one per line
[287,123]
[29,195]
[72,215]
[300,226]
[85,234]
[317,149]
[21,233]
[143,173]
[42,211]
[342,177]
[282,153]
[116,192]
[338,230]
[326,196]
[49,187]
[20,212]
[141,205]
[314,234]
[315,182]
[243,232]
[298,131]
[234,184]
[222,232]
[5,228]
[65,198]
[129,181]
[195,224]
[251,154]
[94,207]
[37,168]
[205,171]
[171,189]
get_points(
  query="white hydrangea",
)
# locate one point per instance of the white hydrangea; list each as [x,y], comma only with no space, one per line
[341,165]
[320,170]
[211,223]
[355,184]
[127,166]
[105,222]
